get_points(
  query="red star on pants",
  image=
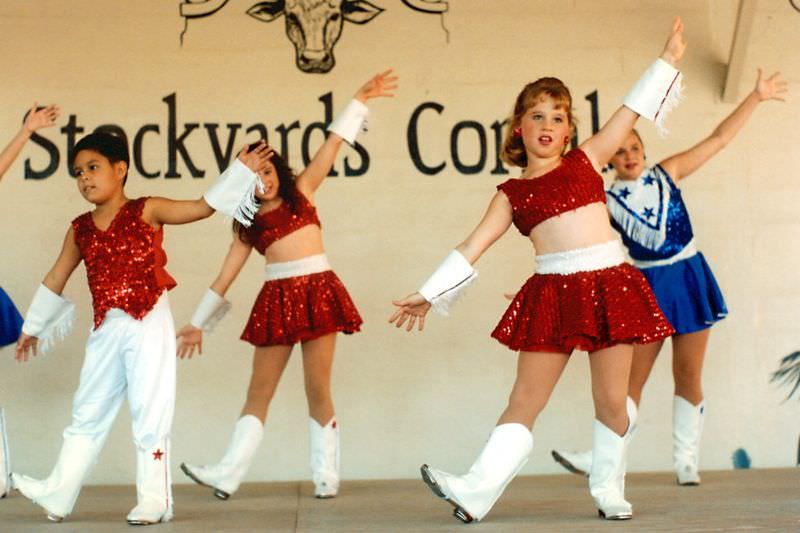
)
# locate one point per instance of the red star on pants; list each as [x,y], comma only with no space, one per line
[157,455]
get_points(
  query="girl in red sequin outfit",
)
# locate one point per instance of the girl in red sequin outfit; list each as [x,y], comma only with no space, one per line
[582,296]
[302,301]
[131,349]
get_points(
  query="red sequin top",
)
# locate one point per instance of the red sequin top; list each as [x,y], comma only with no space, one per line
[573,184]
[125,263]
[278,223]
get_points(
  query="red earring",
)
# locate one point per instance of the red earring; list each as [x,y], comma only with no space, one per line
[517,132]
[566,141]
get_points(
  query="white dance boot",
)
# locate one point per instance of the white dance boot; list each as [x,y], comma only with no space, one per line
[324,457]
[5,468]
[225,476]
[687,427]
[607,475]
[153,486]
[581,462]
[57,494]
[474,494]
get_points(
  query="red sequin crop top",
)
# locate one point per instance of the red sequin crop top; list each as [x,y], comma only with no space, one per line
[573,184]
[279,222]
[125,263]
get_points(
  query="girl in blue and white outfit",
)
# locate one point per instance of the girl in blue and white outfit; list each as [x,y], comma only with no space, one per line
[647,209]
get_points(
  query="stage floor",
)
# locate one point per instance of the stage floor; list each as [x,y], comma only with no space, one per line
[743,500]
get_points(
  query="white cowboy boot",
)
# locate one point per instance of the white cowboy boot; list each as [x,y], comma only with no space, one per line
[153,486]
[57,494]
[687,427]
[324,457]
[581,462]
[225,476]
[606,477]
[474,493]
[5,469]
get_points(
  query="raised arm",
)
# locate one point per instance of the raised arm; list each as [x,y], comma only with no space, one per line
[456,271]
[601,146]
[159,211]
[213,306]
[681,165]
[49,311]
[35,119]
[380,85]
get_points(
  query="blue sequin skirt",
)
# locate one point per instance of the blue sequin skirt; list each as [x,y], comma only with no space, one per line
[687,293]
[10,320]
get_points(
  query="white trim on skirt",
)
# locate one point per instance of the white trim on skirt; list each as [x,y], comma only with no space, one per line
[690,250]
[595,257]
[313,264]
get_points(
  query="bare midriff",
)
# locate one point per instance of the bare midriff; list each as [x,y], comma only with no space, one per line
[586,226]
[302,243]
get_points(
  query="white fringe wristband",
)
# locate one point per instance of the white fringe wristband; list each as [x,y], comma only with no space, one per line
[350,121]
[50,318]
[211,309]
[448,282]
[233,193]
[656,93]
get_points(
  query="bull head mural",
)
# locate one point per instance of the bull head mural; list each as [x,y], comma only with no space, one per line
[313,26]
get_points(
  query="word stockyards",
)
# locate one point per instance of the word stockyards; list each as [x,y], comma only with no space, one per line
[463,133]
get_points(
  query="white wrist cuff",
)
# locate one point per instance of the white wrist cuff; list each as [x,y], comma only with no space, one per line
[212,309]
[50,318]
[233,193]
[350,121]
[448,283]
[656,93]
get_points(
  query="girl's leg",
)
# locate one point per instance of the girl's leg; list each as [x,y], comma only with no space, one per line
[322,426]
[610,375]
[644,357]
[509,445]
[688,408]
[225,476]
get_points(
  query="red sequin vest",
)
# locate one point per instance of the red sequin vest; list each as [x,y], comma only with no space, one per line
[125,263]
[573,184]
[276,224]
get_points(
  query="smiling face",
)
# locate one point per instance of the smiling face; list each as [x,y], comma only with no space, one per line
[98,179]
[629,159]
[545,128]
[269,177]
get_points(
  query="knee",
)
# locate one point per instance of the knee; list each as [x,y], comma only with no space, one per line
[318,392]
[524,398]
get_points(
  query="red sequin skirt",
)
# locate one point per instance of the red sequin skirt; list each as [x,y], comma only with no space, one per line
[301,308]
[584,308]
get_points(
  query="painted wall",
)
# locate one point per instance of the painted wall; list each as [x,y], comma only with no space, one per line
[401,399]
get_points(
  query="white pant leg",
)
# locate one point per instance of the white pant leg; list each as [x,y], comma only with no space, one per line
[150,364]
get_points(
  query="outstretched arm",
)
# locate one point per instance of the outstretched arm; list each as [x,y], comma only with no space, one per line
[681,165]
[601,146]
[159,211]
[35,119]
[55,280]
[380,85]
[494,224]
[190,336]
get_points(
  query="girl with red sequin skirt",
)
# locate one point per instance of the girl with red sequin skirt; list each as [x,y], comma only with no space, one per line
[130,352]
[10,319]
[301,301]
[582,295]
[647,208]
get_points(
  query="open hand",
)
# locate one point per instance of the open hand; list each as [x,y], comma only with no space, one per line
[25,345]
[413,309]
[189,338]
[379,85]
[256,158]
[38,118]
[772,88]
[675,45]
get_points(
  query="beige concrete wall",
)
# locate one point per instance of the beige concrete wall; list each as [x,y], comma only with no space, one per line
[402,399]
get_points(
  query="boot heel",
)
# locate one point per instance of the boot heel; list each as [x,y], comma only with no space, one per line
[221,494]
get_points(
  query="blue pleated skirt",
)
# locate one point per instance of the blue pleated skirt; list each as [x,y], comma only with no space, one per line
[687,293]
[10,320]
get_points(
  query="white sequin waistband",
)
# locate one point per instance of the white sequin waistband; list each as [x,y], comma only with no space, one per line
[595,257]
[690,250]
[313,264]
